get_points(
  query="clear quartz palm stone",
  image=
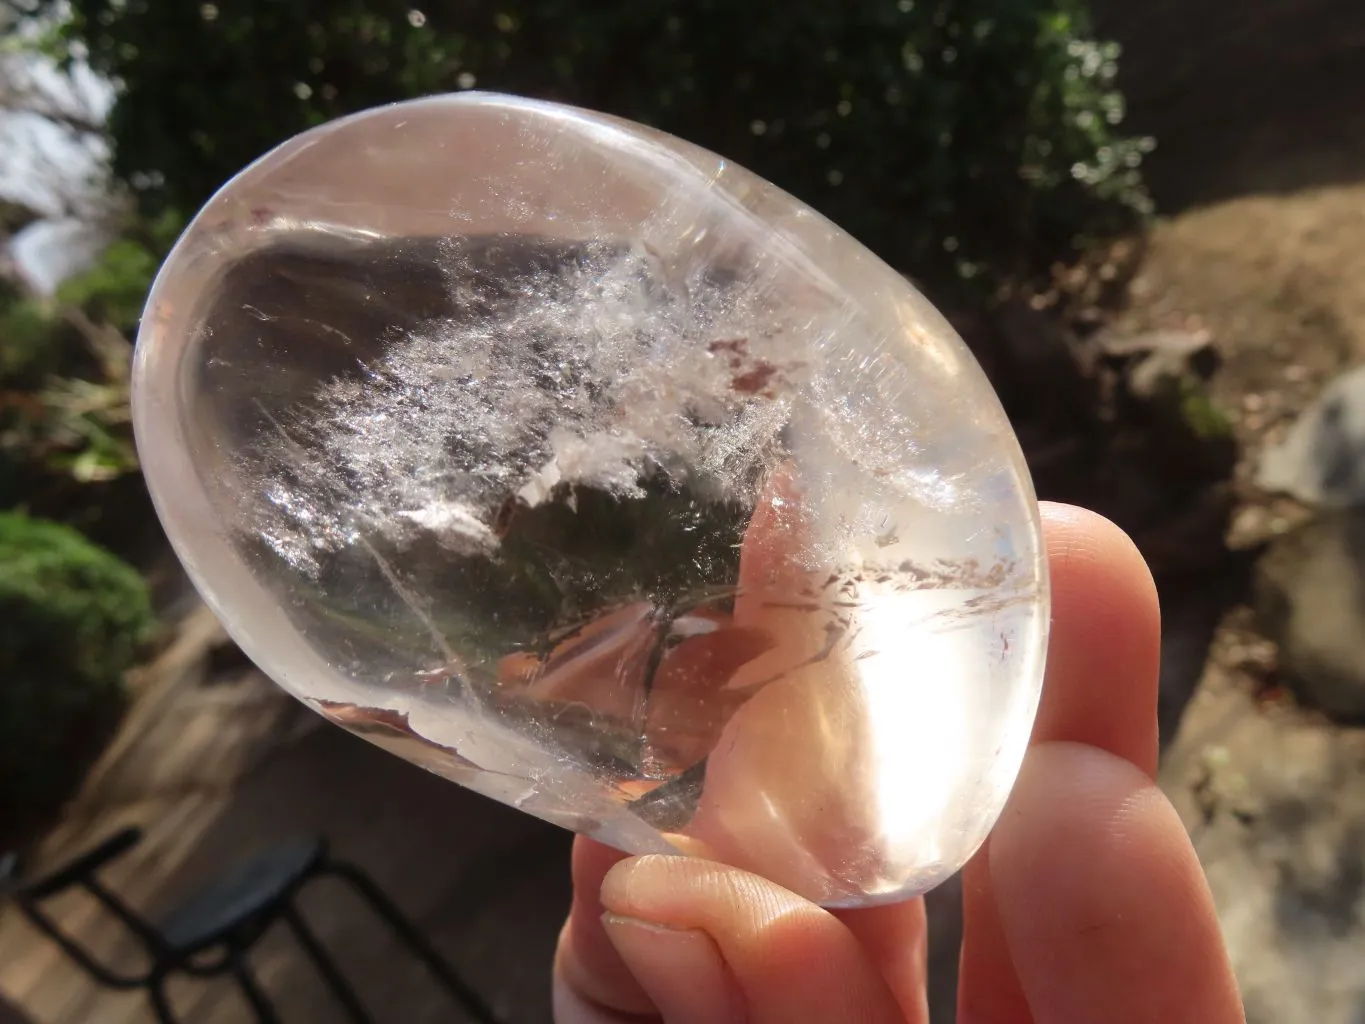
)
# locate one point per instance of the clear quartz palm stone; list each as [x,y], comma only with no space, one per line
[586,469]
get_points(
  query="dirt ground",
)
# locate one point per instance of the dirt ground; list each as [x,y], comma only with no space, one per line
[1259,109]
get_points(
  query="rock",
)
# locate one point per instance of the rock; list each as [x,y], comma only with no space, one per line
[1310,600]
[1156,370]
[1156,355]
[1275,804]
[1322,459]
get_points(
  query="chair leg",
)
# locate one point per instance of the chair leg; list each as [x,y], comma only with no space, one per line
[327,967]
[255,995]
[472,1002]
[161,1005]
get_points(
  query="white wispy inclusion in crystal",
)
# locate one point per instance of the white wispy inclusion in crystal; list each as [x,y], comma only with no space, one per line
[585,375]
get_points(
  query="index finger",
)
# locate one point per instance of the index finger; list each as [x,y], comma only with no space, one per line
[1088,903]
[1101,689]
[1103,666]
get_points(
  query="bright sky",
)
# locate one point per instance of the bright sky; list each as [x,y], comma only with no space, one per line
[48,167]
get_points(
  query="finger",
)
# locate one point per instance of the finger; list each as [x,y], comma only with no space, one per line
[776,530]
[710,943]
[1101,689]
[895,939]
[988,989]
[1103,660]
[592,984]
[688,700]
[1102,900]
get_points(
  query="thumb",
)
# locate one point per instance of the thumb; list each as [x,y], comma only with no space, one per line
[710,944]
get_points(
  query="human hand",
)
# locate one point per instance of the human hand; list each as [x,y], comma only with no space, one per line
[1087,904]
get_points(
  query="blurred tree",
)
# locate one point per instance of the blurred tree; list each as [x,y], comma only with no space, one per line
[961,139]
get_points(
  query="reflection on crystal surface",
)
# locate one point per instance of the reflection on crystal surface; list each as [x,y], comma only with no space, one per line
[579,466]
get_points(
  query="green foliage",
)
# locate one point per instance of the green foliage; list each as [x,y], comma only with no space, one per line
[65,412]
[28,352]
[64,406]
[959,138]
[72,619]
[114,290]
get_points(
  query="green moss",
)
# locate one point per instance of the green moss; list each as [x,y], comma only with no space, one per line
[1201,413]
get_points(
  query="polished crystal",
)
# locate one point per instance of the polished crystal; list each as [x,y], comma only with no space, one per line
[586,469]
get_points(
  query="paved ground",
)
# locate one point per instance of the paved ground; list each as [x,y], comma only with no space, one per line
[212,768]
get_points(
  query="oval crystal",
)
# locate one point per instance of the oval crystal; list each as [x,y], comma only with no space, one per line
[590,471]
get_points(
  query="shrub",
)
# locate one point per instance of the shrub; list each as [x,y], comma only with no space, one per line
[961,139]
[72,619]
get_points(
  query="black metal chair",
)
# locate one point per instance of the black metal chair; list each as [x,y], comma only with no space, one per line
[212,932]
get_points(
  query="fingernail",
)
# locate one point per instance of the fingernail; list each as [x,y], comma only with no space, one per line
[680,969]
